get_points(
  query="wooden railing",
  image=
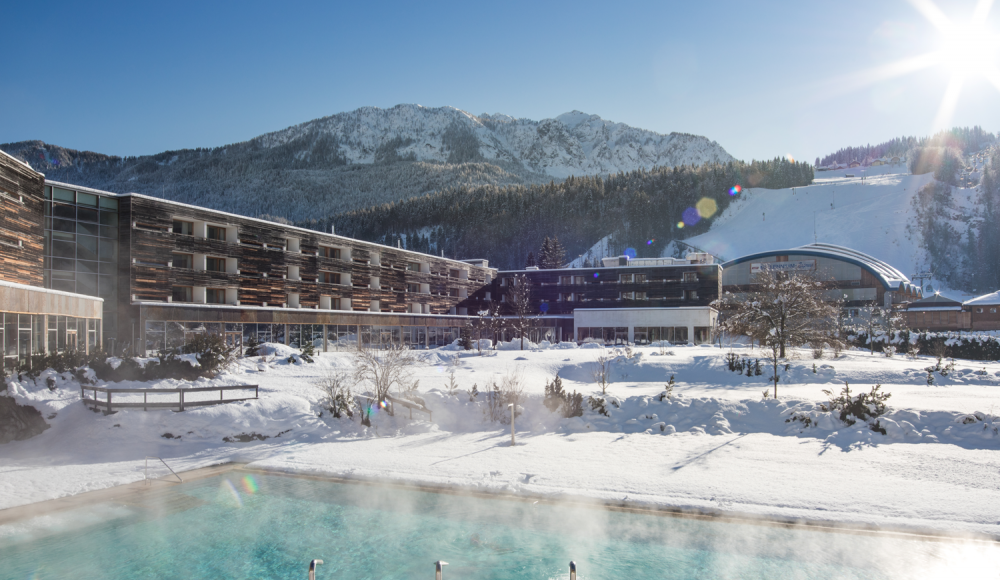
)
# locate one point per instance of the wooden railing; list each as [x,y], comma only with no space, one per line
[129,398]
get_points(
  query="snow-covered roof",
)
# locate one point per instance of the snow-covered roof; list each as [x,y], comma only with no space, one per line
[935,302]
[890,277]
[991,299]
[5,154]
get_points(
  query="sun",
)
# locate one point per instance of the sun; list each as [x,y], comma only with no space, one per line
[968,48]
[964,49]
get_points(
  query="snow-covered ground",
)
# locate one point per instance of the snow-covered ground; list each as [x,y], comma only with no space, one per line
[713,444]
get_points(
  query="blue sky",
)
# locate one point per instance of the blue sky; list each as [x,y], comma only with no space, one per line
[763,78]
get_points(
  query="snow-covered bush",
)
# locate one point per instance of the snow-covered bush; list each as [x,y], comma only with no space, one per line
[560,401]
[867,407]
[336,393]
[599,405]
[212,352]
[252,346]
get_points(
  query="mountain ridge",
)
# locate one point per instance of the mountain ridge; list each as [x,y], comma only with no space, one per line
[371,155]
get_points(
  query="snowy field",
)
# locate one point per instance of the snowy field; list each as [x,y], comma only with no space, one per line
[714,444]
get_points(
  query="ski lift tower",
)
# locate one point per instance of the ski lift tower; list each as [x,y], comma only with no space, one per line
[921,276]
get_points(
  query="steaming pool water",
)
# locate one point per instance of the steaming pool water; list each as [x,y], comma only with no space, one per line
[250,526]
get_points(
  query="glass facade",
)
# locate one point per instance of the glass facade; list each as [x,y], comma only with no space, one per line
[164,336]
[81,247]
[22,335]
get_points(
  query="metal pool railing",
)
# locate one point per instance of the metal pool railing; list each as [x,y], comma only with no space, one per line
[129,397]
[146,471]
[438,569]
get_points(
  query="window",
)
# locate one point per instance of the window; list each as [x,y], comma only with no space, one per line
[453,292]
[215,264]
[640,296]
[185,261]
[853,312]
[183,228]
[639,278]
[565,280]
[979,310]
[181,294]
[692,295]
[565,298]
[579,280]
[328,252]
[413,266]
[625,295]
[690,277]
[414,288]
[625,278]
[216,233]
[215,295]
[453,273]
[329,278]
[993,310]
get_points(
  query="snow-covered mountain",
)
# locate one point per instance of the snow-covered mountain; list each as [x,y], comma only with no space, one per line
[372,156]
[574,143]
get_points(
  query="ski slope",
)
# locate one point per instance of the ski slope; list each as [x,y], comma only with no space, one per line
[871,216]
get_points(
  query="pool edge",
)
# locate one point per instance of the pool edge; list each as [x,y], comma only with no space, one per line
[132,493]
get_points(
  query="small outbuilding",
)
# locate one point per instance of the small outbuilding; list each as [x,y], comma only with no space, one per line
[985,311]
[937,313]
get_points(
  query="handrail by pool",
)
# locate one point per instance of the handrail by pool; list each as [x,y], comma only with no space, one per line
[312,568]
[146,471]
[180,404]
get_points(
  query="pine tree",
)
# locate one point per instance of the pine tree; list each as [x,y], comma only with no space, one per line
[530,261]
[556,255]
[543,253]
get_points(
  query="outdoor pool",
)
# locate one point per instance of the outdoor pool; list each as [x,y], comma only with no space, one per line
[252,526]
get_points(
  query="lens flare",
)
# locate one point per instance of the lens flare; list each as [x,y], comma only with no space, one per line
[596,274]
[789,157]
[630,252]
[735,190]
[250,485]
[691,216]
[706,207]
[680,225]
[650,242]
[227,485]
[544,307]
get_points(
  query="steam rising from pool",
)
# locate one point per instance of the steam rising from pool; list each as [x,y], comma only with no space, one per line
[270,526]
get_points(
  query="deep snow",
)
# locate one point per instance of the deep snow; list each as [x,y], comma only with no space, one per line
[715,444]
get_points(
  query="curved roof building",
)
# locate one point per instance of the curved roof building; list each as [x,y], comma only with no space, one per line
[863,279]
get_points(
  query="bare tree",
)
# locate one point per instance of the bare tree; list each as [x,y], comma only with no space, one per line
[602,372]
[781,310]
[384,369]
[487,321]
[518,300]
[509,391]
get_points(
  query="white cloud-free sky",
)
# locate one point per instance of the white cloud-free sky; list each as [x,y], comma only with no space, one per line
[763,79]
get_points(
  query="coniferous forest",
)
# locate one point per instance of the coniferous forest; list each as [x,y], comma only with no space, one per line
[639,209]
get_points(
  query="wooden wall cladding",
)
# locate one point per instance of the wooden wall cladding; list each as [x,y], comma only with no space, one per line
[22,210]
[263,262]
